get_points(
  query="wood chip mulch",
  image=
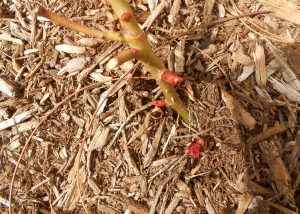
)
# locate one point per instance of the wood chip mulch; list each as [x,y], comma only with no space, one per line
[240,61]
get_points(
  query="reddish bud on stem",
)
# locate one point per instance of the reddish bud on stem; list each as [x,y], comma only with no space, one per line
[134,51]
[159,103]
[195,148]
[171,77]
[125,16]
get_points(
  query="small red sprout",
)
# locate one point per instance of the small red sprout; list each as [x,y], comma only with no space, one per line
[195,148]
[134,51]
[126,16]
[159,103]
[171,77]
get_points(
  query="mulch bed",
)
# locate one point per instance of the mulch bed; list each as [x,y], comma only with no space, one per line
[240,64]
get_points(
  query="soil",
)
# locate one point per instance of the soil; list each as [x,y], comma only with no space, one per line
[241,87]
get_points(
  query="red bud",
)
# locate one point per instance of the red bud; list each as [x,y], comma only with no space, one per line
[159,103]
[125,16]
[195,148]
[171,77]
[134,51]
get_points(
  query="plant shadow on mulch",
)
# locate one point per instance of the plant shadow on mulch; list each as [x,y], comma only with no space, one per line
[145,169]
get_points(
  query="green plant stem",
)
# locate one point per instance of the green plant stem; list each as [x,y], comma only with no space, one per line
[121,58]
[113,36]
[135,38]
[133,35]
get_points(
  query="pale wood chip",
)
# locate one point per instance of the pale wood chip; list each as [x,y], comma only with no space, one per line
[260,64]
[74,66]
[36,68]
[142,129]
[179,57]
[158,192]
[24,127]
[72,196]
[16,119]
[132,204]
[185,190]
[94,186]
[111,91]
[221,11]
[154,146]
[209,207]
[163,161]
[106,209]
[285,89]
[282,209]
[152,5]
[238,112]
[247,71]
[71,49]
[241,58]
[154,15]
[4,202]
[20,16]
[39,184]
[199,193]
[244,204]
[7,87]
[103,58]
[285,9]
[288,74]
[263,93]
[132,165]
[30,51]
[97,76]
[79,121]
[256,188]
[7,37]
[173,204]
[100,138]
[280,174]
[174,10]
[90,42]
[207,10]
[292,158]
[4,113]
